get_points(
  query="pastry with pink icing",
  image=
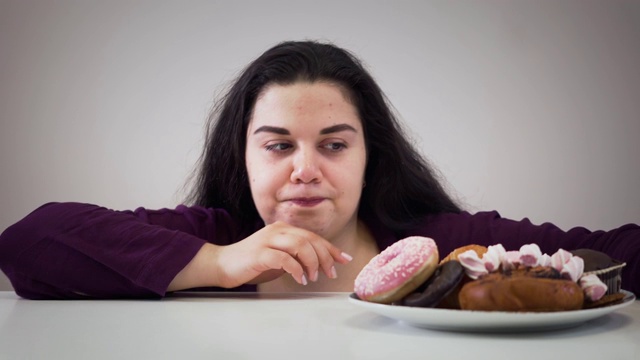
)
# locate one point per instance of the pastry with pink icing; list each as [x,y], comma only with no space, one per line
[398,270]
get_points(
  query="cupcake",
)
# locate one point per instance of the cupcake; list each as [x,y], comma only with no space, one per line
[600,264]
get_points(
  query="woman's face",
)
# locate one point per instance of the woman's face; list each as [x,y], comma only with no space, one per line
[306,157]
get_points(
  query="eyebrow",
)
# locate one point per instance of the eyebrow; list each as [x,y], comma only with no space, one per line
[337,128]
[272,129]
[325,131]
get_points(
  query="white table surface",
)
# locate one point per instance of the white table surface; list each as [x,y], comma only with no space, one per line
[279,326]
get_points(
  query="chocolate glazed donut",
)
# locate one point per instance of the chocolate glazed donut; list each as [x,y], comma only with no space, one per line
[445,279]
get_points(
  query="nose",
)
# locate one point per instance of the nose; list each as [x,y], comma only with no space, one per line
[306,167]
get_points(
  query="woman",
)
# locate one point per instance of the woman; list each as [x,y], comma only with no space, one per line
[304,164]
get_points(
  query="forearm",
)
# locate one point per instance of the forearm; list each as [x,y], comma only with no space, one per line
[201,271]
[76,250]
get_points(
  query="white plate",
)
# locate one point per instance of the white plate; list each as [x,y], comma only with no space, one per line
[465,320]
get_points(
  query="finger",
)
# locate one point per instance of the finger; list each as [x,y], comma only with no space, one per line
[276,259]
[267,276]
[320,253]
[325,259]
[339,255]
[317,240]
[329,255]
[302,250]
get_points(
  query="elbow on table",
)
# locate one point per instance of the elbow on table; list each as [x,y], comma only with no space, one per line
[52,254]
[11,248]
[17,257]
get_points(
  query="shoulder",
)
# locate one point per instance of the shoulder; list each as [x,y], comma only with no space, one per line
[445,224]
[185,211]
[213,224]
[450,230]
[460,218]
[453,230]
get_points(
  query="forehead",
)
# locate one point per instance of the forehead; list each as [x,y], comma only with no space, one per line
[304,102]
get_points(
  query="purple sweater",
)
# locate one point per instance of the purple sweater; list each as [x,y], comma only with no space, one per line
[72,250]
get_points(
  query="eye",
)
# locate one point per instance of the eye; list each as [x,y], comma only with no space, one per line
[335,146]
[278,147]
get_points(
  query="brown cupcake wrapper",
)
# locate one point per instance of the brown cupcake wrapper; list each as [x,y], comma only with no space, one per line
[611,277]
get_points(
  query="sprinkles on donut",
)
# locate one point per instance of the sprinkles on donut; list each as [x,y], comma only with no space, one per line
[397,270]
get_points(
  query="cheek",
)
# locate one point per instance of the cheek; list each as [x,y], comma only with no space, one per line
[255,170]
[259,193]
[349,183]
[263,184]
[264,193]
[358,165]
[357,177]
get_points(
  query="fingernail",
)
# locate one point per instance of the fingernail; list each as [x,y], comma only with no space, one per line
[304,280]
[346,256]
[314,276]
[334,273]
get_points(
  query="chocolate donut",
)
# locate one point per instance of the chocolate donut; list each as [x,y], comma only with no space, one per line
[445,279]
[450,301]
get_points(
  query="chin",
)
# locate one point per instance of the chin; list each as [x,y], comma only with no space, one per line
[315,227]
[325,225]
[323,229]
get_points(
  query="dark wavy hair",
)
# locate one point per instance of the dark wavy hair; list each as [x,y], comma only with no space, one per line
[400,186]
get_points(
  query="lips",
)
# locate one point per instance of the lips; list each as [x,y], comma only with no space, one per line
[306,201]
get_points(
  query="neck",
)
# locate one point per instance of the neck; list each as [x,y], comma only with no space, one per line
[360,244]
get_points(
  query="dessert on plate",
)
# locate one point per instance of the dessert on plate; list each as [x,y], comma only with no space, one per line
[474,277]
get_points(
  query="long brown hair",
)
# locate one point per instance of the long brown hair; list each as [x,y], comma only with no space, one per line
[400,188]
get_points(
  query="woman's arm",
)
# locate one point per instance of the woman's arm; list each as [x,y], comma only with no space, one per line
[72,250]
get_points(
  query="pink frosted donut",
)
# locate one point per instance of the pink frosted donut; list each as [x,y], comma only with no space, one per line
[398,270]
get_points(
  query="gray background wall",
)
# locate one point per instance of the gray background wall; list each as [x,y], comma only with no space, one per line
[531,108]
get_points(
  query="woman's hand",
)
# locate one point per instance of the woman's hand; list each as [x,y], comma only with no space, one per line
[267,254]
[273,250]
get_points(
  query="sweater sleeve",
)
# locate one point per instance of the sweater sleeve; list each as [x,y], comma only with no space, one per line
[73,250]
[487,228]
